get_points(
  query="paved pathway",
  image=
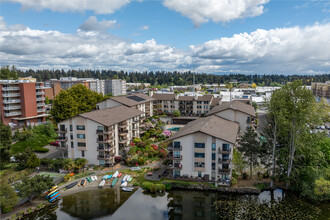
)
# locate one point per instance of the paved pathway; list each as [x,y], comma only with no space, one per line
[53,152]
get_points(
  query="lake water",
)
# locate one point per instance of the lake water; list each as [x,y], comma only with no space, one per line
[118,205]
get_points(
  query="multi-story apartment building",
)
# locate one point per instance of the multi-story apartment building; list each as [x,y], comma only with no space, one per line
[236,111]
[203,149]
[92,84]
[22,102]
[321,90]
[138,101]
[115,87]
[52,91]
[99,135]
[187,105]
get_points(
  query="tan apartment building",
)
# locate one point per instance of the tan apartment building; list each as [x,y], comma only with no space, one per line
[321,90]
[138,101]
[22,102]
[204,149]
[99,135]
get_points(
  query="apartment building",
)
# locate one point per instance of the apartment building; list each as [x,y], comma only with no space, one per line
[236,111]
[52,91]
[138,101]
[99,135]
[22,102]
[115,87]
[321,90]
[92,84]
[204,149]
[187,105]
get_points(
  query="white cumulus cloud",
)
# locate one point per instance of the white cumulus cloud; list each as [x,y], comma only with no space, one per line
[91,24]
[201,11]
[98,6]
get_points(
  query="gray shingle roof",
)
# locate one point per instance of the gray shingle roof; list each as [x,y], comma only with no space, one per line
[235,105]
[164,97]
[125,100]
[213,125]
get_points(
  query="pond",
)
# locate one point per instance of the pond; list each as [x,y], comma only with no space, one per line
[115,204]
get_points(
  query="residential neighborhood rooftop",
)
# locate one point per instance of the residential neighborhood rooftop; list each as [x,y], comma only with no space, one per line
[235,105]
[134,99]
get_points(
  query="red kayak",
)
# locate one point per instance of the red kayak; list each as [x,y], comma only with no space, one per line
[119,175]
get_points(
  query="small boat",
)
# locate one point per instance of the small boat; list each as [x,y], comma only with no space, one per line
[52,191]
[124,184]
[105,177]
[55,194]
[92,178]
[114,182]
[54,198]
[124,179]
[127,189]
[119,175]
[95,178]
[51,194]
[82,182]
[89,179]
[130,179]
[115,175]
[71,185]
[109,176]
[102,183]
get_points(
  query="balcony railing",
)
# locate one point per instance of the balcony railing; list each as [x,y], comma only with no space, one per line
[41,99]
[41,110]
[40,93]
[224,151]
[175,148]
[224,161]
[13,114]
[172,157]
[40,87]
[105,157]
[61,130]
[224,171]
[10,88]
[176,166]
[12,101]
[41,104]
[11,95]
[62,138]
[105,149]
[12,107]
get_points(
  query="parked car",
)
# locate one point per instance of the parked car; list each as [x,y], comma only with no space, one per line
[55,143]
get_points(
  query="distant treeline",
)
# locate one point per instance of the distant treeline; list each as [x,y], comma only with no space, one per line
[173,78]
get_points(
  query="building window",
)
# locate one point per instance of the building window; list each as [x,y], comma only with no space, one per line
[199,106]
[70,127]
[225,147]
[199,173]
[199,145]
[199,155]
[225,166]
[177,173]
[81,136]
[71,136]
[100,128]
[213,166]
[177,144]
[80,127]
[176,154]
[206,102]
[213,156]
[72,144]
[206,107]
[213,146]
[80,144]
[199,164]
[82,153]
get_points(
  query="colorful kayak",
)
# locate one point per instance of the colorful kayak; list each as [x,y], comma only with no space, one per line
[124,184]
[71,185]
[109,176]
[114,182]
[82,182]
[119,175]
[51,194]
[130,179]
[54,195]
[95,178]
[102,183]
[115,175]
[124,179]
[105,177]
[127,189]
[54,198]
[89,179]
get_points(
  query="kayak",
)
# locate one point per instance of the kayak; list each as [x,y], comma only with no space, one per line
[89,179]
[109,176]
[92,178]
[71,185]
[114,182]
[54,197]
[130,179]
[124,184]
[105,177]
[119,175]
[53,190]
[51,194]
[82,182]
[102,183]
[127,189]
[124,179]
[95,178]
[115,175]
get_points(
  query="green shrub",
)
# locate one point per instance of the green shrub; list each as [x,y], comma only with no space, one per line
[233,181]
[168,186]
[153,188]
[160,187]
[137,140]
[146,185]
[141,161]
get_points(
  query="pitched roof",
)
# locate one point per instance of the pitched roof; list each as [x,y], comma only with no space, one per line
[205,98]
[110,116]
[235,105]
[186,98]
[164,97]
[215,101]
[134,99]
[213,125]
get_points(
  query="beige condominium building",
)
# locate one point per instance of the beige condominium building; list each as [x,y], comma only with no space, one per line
[99,135]
[187,105]
[204,149]
[236,111]
[138,101]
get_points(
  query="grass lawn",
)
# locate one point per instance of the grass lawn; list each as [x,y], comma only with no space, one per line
[36,142]
[52,175]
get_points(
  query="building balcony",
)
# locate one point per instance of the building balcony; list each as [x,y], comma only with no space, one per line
[104,157]
[224,161]
[123,133]
[224,171]
[224,151]
[41,110]
[40,87]
[122,141]
[63,130]
[40,104]
[11,101]
[12,107]
[41,99]
[12,114]
[62,138]
[10,88]
[104,131]
[172,157]
[105,149]
[176,166]
[175,148]
[40,93]
[11,95]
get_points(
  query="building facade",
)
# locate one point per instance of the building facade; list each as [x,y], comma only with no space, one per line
[204,149]
[22,102]
[115,87]
[321,90]
[99,135]
[92,84]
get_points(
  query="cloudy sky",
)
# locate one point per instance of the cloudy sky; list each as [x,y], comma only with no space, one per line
[212,36]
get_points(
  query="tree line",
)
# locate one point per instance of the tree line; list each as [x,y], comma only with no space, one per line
[165,77]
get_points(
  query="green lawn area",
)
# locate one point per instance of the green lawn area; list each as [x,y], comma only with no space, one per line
[36,142]
[52,175]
